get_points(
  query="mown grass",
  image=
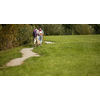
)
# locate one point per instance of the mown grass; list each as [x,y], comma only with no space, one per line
[73,55]
[7,55]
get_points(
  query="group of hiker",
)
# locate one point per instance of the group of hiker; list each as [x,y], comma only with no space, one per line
[38,36]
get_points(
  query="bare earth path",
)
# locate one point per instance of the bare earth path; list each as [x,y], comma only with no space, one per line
[48,42]
[27,53]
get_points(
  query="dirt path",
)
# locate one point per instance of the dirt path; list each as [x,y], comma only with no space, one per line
[48,42]
[27,53]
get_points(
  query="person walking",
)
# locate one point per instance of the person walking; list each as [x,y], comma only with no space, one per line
[35,36]
[41,35]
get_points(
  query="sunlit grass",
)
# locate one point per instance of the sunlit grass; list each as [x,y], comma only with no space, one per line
[8,55]
[76,55]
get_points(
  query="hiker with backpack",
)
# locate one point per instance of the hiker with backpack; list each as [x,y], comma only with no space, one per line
[35,36]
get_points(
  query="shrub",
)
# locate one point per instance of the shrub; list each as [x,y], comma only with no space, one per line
[24,34]
[83,29]
[52,29]
[13,35]
[8,37]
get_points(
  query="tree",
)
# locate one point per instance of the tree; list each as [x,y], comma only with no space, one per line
[52,29]
[78,29]
[83,29]
[13,35]
[96,28]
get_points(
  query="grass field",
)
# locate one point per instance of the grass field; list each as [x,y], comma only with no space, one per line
[70,55]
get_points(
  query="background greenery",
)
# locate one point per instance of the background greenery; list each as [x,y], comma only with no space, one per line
[72,55]
[14,35]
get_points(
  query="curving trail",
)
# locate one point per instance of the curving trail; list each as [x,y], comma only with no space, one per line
[27,53]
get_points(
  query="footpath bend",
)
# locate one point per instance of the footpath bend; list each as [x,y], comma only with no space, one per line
[27,53]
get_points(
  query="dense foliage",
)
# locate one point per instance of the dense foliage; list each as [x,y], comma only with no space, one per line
[13,35]
[78,29]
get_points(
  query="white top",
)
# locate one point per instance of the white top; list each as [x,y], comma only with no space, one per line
[40,31]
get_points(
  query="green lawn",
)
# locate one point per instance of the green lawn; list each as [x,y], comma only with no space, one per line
[70,55]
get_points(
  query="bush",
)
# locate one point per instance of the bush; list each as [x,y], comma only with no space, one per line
[83,29]
[52,29]
[24,34]
[8,37]
[78,29]
[13,35]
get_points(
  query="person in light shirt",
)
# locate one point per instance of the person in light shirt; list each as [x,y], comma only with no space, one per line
[41,35]
[37,36]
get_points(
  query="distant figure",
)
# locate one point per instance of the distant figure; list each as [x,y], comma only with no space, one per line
[35,36]
[41,35]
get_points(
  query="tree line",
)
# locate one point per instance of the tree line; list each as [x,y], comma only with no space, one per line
[13,35]
[70,29]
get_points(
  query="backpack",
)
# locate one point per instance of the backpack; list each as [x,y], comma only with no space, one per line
[34,33]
